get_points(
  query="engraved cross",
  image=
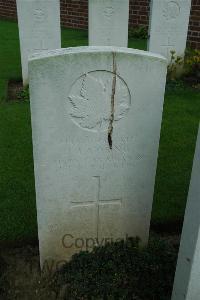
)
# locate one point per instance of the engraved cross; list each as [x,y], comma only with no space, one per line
[168,46]
[97,202]
[41,46]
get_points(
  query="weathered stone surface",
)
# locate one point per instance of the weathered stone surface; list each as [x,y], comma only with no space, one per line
[96,116]
[39,28]
[187,279]
[168,28]
[108,22]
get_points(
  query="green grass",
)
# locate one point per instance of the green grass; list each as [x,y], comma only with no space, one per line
[17,193]
[18,213]
[178,137]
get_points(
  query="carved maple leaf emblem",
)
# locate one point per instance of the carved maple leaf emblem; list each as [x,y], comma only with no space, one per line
[91,100]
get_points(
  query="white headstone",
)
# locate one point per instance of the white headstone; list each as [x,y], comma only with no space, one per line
[96,117]
[108,22]
[168,27]
[39,28]
[187,278]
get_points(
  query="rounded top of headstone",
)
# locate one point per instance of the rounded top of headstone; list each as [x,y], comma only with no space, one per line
[97,49]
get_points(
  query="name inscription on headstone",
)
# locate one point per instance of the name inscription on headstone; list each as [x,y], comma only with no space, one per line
[119,157]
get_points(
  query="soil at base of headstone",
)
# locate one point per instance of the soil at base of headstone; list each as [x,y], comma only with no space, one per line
[15,87]
[22,279]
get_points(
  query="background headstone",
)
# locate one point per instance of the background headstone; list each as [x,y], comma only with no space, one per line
[108,22]
[168,27]
[39,28]
[96,117]
[187,279]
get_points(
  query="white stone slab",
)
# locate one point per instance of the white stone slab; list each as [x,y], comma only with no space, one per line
[168,27]
[187,279]
[108,22]
[87,187]
[39,28]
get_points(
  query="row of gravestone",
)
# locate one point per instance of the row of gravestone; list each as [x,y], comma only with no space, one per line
[39,26]
[96,116]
